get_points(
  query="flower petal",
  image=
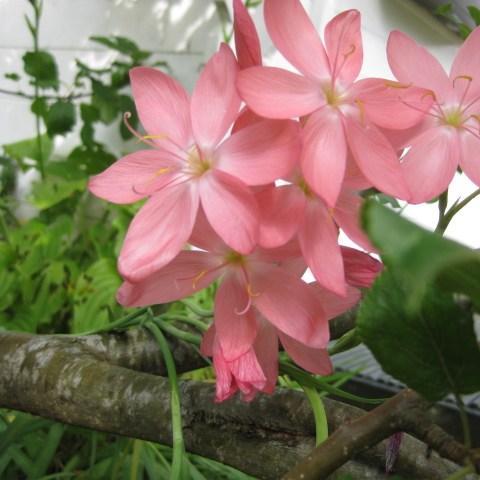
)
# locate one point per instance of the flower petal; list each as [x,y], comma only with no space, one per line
[314,360]
[236,331]
[163,106]
[215,102]
[296,38]
[204,236]
[231,210]
[469,156]
[412,63]
[246,118]
[334,305]
[347,217]
[467,64]
[361,269]
[275,93]
[208,341]
[431,162]
[376,157]
[281,212]
[261,153]
[343,40]
[134,176]
[158,232]
[225,385]
[324,154]
[390,104]
[266,350]
[318,237]
[187,273]
[289,304]
[247,43]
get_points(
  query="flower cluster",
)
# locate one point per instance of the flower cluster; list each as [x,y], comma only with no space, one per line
[259,169]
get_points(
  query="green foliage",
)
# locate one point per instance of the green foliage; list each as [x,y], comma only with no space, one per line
[60,118]
[474,13]
[123,45]
[433,350]
[421,258]
[42,67]
[29,149]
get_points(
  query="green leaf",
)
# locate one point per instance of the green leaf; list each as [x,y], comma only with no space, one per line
[464,30]
[39,107]
[105,99]
[12,76]
[95,296]
[29,149]
[41,66]
[444,10]
[53,190]
[474,13]
[123,45]
[60,118]
[421,257]
[433,350]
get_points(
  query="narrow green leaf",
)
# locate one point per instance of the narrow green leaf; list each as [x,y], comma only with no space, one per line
[47,452]
[433,350]
[474,13]
[321,424]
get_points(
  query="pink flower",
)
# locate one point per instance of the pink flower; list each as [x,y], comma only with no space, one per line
[295,209]
[361,269]
[343,114]
[191,166]
[257,369]
[265,281]
[450,136]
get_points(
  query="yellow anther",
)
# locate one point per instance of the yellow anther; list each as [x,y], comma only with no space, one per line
[350,52]
[462,77]
[361,107]
[163,170]
[250,292]
[429,93]
[198,277]
[392,84]
[160,136]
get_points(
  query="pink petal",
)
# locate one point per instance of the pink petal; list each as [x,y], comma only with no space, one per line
[158,232]
[469,156]
[163,106]
[247,44]
[347,217]
[231,210]
[279,255]
[324,154]
[343,40]
[335,305]
[266,350]
[187,273]
[281,212]
[208,341]
[246,118]
[225,385]
[354,178]
[296,38]
[376,157]
[248,372]
[361,269]
[204,236]
[467,64]
[289,304]
[392,105]
[275,93]
[261,153]
[134,176]
[215,102]
[431,162]
[413,64]
[314,360]
[318,238]
[236,331]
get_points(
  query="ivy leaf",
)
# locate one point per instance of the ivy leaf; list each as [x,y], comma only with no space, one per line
[29,149]
[60,118]
[421,257]
[433,350]
[41,66]
[95,296]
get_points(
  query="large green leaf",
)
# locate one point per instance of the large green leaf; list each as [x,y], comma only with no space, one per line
[421,257]
[41,66]
[29,148]
[433,350]
[95,296]
[60,118]
[53,190]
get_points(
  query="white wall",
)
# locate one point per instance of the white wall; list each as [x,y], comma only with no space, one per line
[185,33]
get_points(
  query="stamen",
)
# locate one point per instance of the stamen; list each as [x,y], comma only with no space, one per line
[393,84]
[438,117]
[250,291]
[246,309]
[337,71]
[150,180]
[469,80]
[361,107]
[469,130]
[197,278]
[141,138]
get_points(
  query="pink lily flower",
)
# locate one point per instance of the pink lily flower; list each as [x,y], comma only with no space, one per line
[344,114]
[257,369]
[267,281]
[190,166]
[450,136]
[295,209]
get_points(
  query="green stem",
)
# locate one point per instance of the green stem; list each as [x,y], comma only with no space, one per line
[467,437]
[445,219]
[178,459]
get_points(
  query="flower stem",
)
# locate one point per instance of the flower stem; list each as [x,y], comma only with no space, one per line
[446,217]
